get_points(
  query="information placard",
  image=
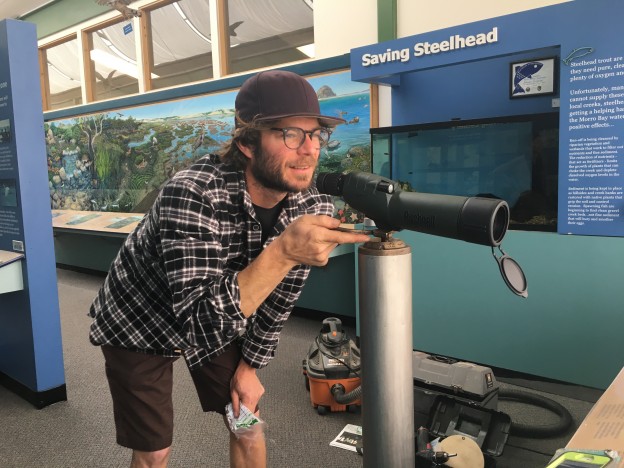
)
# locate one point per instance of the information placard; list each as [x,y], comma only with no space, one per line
[591,198]
[10,217]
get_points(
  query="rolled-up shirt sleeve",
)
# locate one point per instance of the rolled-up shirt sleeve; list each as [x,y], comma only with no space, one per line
[262,337]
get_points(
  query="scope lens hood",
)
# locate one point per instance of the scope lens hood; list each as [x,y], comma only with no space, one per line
[484,221]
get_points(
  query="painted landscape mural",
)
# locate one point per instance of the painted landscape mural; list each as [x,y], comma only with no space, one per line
[118,160]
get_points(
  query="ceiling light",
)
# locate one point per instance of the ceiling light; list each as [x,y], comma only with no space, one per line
[307,49]
[115,63]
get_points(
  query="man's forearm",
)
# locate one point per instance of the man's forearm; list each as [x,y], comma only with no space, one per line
[261,277]
[307,241]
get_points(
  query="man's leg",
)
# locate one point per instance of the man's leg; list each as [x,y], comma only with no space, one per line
[141,388]
[158,459]
[212,382]
[248,451]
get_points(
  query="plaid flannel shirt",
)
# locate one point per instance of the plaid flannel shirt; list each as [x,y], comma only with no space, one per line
[173,286]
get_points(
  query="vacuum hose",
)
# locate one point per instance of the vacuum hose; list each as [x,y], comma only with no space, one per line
[521,430]
[338,392]
[525,430]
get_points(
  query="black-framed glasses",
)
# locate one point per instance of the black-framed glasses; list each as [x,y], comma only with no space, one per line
[294,137]
[512,273]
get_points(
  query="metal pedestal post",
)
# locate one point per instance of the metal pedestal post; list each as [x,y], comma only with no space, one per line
[385,295]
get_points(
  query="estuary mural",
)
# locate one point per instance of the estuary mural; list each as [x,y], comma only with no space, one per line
[118,160]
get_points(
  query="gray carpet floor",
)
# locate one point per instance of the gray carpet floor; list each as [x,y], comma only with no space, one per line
[79,432]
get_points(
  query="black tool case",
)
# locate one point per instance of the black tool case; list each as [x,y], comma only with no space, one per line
[436,376]
[487,427]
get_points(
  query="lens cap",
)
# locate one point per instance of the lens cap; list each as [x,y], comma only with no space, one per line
[512,273]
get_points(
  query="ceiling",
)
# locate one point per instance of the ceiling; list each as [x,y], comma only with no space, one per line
[262,33]
[17,8]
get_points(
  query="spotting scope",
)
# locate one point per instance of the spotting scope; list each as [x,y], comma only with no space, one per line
[477,220]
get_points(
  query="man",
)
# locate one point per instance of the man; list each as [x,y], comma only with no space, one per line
[214,269]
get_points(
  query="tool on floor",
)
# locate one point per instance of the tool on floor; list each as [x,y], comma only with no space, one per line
[332,370]
[426,453]
[469,454]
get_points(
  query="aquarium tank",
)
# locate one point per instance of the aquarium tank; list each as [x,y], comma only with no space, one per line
[513,158]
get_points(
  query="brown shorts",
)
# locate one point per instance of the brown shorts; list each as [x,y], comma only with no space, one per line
[141,387]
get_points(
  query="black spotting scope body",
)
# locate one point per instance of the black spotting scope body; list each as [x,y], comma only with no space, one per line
[472,219]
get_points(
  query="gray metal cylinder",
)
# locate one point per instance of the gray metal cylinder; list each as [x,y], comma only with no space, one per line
[385,300]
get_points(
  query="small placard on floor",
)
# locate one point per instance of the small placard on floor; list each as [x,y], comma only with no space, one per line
[349,438]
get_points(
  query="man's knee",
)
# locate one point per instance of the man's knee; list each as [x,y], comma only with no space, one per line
[158,458]
[248,435]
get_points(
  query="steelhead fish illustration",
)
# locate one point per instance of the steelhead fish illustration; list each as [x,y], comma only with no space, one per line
[577,53]
[524,71]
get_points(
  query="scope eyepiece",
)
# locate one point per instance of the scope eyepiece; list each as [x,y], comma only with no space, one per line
[330,183]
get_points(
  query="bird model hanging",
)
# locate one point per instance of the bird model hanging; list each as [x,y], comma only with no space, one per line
[121,6]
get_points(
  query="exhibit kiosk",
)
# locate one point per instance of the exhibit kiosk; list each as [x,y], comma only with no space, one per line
[547,108]
[31,355]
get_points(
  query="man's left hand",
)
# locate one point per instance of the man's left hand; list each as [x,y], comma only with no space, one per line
[245,388]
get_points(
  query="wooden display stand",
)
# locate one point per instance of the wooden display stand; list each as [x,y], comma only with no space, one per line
[603,427]
[95,222]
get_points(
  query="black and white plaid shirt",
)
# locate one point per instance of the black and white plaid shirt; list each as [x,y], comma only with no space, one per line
[173,286]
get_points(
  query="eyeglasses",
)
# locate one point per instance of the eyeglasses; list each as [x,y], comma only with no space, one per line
[294,137]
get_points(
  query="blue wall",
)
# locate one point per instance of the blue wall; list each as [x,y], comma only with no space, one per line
[331,288]
[570,326]
[30,333]
[466,91]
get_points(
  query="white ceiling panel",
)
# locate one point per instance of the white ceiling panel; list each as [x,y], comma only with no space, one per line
[17,8]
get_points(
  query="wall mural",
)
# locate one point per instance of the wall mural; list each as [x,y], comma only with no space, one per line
[119,160]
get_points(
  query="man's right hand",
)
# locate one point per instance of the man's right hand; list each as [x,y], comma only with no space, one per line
[310,239]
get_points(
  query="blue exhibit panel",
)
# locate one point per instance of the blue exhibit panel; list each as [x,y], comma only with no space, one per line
[31,358]
[468,63]
[435,95]
[388,62]
[568,327]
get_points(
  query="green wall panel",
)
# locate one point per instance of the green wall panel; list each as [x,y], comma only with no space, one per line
[63,14]
[331,288]
[86,251]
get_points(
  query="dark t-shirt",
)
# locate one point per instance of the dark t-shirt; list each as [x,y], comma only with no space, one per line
[268,218]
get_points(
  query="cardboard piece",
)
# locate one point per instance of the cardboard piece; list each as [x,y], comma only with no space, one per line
[603,427]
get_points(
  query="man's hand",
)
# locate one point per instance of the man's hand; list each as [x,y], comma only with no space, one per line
[245,388]
[310,239]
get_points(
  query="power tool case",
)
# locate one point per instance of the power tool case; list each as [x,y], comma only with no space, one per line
[453,397]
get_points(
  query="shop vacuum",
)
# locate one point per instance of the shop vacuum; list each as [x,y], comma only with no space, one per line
[332,368]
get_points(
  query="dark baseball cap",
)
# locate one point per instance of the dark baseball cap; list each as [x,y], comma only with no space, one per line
[276,94]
